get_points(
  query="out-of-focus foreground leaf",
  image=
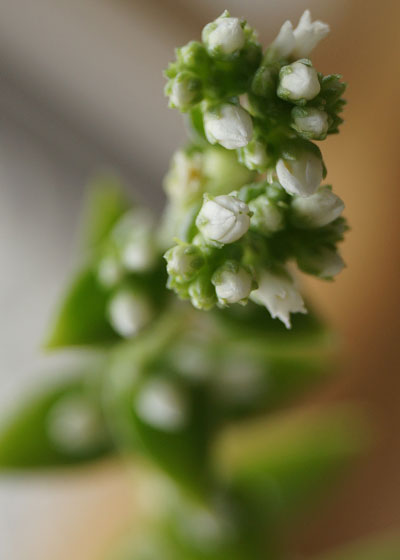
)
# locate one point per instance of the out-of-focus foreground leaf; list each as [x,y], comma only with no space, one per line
[61,425]
[105,204]
[378,548]
[277,465]
[82,316]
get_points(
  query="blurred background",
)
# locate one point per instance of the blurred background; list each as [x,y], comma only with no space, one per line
[81,89]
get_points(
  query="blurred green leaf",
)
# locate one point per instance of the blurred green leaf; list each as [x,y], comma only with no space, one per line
[61,425]
[106,203]
[81,318]
[378,548]
[136,365]
[279,465]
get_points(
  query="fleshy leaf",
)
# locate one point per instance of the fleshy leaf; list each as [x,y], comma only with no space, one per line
[61,425]
[81,318]
[274,467]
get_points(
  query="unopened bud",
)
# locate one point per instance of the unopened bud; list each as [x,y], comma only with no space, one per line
[224,35]
[267,216]
[298,82]
[317,210]
[310,122]
[223,219]
[233,283]
[229,125]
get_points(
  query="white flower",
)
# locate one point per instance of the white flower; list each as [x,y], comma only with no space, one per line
[223,219]
[311,121]
[109,271]
[128,313]
[184,180]
[327,263]
[229,125]
[285,42]
[225,34]
[139,254]
[299,42]
[233,283]
[254,156]
[267,217]
[74,425]
[307,35]
[280,296]
[161,404]
[301,176]
[317,210]
[298,81]
[183,261]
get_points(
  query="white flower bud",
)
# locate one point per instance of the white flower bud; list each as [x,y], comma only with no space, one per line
[74,425]
[202,292]
[280,296]
[254,156]
[298,43]
[162,405]
[225,34]
[129,313]
[139,254]
[233,283]
[229,125]
[317,210]
[183,262]
[223,219]
[307,35]
[267,216]
[311,122]
[133,237]
[298,82]
[109,271]
[301,176]
[183,90]
[326,263]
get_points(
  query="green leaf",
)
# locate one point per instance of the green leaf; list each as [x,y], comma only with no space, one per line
[61,425]
[279,465]
[81,318]
[106,203]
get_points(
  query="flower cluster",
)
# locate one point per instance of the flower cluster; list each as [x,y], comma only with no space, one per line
[258,114]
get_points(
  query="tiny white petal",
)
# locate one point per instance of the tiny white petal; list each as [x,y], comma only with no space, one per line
[317,210]
[307,35]
[129,313]
[230,125]
[284,43]
[224,219]
[162,405]
[301,176]
[279,294]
